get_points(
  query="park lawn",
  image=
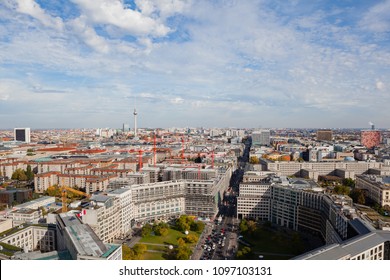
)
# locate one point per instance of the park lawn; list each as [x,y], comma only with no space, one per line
[275,241]
[156,247]
[170,238]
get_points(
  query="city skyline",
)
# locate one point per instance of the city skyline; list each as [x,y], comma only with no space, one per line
[84,63]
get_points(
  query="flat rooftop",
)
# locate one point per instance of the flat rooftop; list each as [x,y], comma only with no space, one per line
[349,248]
[83,238]
[43,199]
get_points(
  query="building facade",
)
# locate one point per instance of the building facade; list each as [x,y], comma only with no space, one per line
[376,188]
[261,138]
[370,138]
[22,134]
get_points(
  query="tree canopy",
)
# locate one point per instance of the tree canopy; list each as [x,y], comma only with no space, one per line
[19,175]
[254,160]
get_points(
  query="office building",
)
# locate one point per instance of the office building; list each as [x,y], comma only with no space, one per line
[22,134]
[126,209]
[261,138]
[81,242]
[370,138]
[161,200]
[104,216]
[11,196]
[31,237]
[373,245]
[375,187]
[324,135]
[254,200]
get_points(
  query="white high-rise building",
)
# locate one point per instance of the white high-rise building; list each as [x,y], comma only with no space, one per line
[22,134]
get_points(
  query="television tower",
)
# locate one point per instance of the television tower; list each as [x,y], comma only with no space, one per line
[135,122]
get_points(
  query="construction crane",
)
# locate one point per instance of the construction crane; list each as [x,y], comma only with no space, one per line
[64,192]
[140,162]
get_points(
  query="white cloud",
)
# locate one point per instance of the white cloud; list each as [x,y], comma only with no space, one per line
[89,36]
[165,8]
[377,18]
[380,85]
[177,100]
[30,7]
[4,97]
[113,12]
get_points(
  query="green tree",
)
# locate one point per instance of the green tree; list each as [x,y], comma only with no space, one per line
[243,253]
[184,223]
[139,249]
[161,229]
[243,226]
[43,211]
[341,190]
[349,182]
[181,252]
[19,175]
[146,230]
[29,173]
[197,226]
[252,226]
[358,196]
[254,160]
[191,238]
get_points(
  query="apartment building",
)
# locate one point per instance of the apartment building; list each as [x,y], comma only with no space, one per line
[254,200]
[31,237]
[24,215]
[43,181]
[10,196]
[91,183]
[203,197]
[296,204]
[124,195]
[104,216]
[256,176]
[376,188]
[160,200]
[323,168]
[140,177]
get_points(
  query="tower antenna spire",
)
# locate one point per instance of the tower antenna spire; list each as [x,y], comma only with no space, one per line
[135,116]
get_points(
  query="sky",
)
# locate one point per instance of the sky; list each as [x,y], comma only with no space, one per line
[193,63]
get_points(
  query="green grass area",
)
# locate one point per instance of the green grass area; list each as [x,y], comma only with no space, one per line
[9,250]
[275,244]
[170,238]
[156,247]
